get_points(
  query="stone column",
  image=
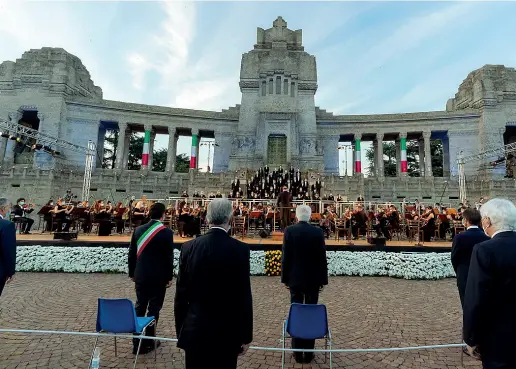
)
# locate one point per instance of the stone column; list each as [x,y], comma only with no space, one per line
[357,158]
[14,117]
[127,143]
[151,148]
[428,154]
[146,147]
[403,154]
[3,145]
[375,157]
[379,158]
[398,157]
[195,149]
[100,145]
[421,147]
[172,148]
[120,146]
[446,156]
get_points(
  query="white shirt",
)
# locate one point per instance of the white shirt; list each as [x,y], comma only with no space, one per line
[471,227]
[215,227]
[1,216]
[500,231]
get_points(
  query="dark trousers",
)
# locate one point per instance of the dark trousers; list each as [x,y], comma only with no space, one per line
[207,358]
[25,223]
[303,297]
[285,217]
[149,301]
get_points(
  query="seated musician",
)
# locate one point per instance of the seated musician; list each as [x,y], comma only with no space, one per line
[20,212]
[269,218]
[182,219]
[118,214]
[428,223]
[239,211]
[47,218]
[139,211]
[102,216]
[381,227]
[62,213]
[87,216]
[358,222]
[326,221]
[445,225]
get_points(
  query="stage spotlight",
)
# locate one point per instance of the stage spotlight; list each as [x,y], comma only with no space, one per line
[14,138]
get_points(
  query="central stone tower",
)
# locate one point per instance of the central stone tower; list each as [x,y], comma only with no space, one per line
[277,124]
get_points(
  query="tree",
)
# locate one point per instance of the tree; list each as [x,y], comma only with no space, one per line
[110,145]
[159,157]
[389,161]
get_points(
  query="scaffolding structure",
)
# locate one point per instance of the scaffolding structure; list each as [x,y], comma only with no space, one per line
[17,130]
[501,151]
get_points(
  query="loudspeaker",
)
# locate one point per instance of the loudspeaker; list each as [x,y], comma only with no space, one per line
[67,236]
[264,233]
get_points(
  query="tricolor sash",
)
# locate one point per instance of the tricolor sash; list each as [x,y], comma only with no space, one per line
[147,236]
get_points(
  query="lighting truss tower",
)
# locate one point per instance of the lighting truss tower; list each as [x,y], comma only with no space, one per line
[17,130]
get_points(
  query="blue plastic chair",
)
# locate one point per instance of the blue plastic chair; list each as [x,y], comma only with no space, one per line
[310,322]
[119,316]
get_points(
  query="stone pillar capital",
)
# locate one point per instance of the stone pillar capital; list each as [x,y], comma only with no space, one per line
[147,126]
[41,117]
[380,136]
[195,131]
[402,135]
[172,130]
[122,126]
[357,135]
[426,135]
[14,116]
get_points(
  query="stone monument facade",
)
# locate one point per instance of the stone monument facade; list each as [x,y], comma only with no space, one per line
[276,123]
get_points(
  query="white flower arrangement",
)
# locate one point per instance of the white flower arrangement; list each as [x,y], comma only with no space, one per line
[114,260]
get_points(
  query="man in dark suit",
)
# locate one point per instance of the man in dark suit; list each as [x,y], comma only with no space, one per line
[213,306]
[284,203]
[462,247]
[7,244]
[304,269]
[151,267]
[490,300]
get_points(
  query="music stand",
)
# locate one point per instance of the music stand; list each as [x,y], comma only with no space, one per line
[45,210]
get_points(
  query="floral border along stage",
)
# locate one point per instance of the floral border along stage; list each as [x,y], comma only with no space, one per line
[114,260]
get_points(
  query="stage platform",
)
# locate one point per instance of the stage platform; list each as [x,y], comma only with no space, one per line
[46,239]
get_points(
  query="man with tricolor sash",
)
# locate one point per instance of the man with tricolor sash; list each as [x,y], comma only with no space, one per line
[151,267]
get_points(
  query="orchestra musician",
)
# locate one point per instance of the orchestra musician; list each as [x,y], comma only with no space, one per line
[381,227]
[20,211]
[358,221]
[118,216]
[428,223]
[62,213]
[103,217]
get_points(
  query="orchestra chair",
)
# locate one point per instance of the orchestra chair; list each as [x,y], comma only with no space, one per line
[458,227]
[307,321]
[118,316]
[239,225]
[413,230]
[340,225]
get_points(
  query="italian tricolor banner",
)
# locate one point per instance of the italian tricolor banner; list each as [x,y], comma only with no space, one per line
[146,145]
[145,238]
[193,157]
[403,148]
[358,157]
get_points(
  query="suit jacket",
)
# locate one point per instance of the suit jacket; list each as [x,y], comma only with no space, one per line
[490,300]
[156,262]
[284,199]
[304,262]
[213,303]
[7,249]
[462,248]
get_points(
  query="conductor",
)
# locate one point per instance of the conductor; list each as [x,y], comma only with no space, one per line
[284,203]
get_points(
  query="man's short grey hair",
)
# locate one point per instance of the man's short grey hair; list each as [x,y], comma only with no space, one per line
[219,212]
[5,203]
[501,213]
[303,213]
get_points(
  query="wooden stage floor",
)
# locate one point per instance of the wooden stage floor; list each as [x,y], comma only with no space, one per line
[254,243]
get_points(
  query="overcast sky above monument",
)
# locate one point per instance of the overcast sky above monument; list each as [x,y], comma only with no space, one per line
[371,57]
